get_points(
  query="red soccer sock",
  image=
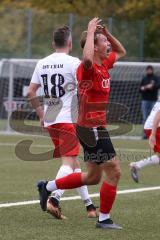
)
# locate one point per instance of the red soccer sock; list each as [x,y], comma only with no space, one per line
[70,181]
[107,197]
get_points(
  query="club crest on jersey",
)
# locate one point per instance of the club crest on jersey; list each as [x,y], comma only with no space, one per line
[106,83]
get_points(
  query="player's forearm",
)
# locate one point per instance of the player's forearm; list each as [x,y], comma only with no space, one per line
[117,47]
[156,123]
[36,104]
[88,51]
[147,87]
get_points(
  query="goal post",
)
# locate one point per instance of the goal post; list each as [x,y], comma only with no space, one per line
[15,75]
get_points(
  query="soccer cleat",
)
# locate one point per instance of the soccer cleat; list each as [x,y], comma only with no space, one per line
[54,209]
[134,172]
[91,211]
[108,224]
[43,194]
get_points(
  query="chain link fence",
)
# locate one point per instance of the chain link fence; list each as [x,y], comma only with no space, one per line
[28,33]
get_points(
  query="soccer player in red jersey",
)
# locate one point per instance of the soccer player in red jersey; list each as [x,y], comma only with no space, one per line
[94,88]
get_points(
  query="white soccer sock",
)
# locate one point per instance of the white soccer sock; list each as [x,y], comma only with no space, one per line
[51,186]
[83,192]
[63,171]
[153,160]
[103,216]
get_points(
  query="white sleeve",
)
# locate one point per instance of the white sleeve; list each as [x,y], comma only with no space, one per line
[158,103]
[35,76]
[75,65]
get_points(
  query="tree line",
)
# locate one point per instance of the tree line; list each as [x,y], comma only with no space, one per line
[130,10]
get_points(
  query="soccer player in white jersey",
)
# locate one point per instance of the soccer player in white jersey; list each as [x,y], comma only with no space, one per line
[56,75]
[152,130]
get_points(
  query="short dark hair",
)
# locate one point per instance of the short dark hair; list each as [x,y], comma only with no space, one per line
[84,37]
[61,35]
[149,67]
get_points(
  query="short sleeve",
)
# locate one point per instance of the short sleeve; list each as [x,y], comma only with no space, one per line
[110,60]
[75,65]
[35,76]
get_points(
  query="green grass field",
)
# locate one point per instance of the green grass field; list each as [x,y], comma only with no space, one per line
[138,213]
[136,129]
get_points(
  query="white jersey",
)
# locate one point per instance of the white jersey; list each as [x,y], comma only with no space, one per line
[57,76]
[149,122]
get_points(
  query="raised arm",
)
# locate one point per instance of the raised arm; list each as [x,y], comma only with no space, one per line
[117,47]
[88,51]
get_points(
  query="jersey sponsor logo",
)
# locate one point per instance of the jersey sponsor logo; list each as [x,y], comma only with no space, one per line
[106,83]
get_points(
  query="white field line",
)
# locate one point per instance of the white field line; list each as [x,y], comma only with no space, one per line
[94,195]
[33,145]
[47,146]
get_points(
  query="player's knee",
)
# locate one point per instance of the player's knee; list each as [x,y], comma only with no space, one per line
[116,170]
[68,161]
[113,176]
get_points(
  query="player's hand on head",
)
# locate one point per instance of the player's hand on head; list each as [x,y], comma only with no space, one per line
[152,141]
[99,27]
[92,25]
[102,29]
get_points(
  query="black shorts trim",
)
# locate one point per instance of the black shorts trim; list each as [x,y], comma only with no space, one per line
[96,143]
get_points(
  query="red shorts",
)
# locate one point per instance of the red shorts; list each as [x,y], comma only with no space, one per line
[64,137]
[157,146]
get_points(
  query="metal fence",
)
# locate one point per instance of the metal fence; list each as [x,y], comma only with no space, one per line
[28,33]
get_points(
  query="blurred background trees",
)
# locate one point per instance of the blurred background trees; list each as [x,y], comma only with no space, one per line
[136,23]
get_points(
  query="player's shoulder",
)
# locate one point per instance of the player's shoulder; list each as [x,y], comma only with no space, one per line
[70,61]
[64,56]
[45,59]
[73,59]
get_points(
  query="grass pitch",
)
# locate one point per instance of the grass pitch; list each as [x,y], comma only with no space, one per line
[138,213]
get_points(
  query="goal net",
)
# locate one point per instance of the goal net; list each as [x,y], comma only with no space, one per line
[125,99]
